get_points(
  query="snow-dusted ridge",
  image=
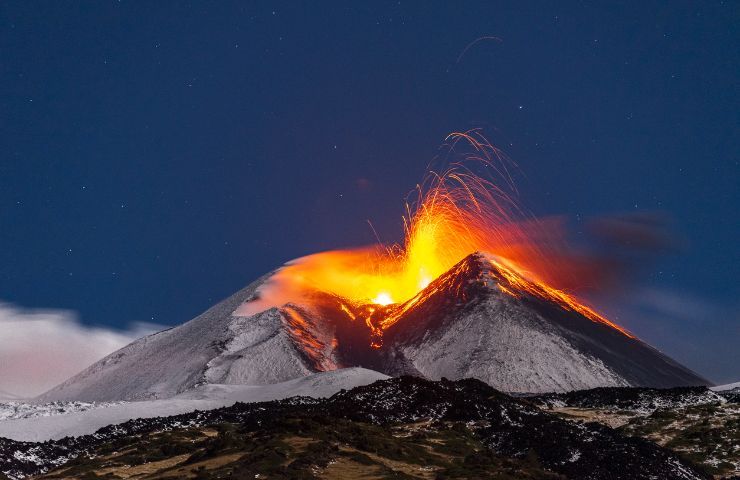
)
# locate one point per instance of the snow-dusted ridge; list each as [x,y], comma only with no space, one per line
[215,347]
[39,427]
[642,401]
[507,426]
[727,387]
[18,409]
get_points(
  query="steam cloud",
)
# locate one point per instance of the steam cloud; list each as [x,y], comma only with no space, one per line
[41,348]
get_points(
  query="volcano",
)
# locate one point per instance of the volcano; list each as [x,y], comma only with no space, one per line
[479,320]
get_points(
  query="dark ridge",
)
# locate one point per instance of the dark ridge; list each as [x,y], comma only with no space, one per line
[732,396]
[630,398]
[507,426]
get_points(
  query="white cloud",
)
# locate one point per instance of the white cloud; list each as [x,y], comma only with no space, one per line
[41,348]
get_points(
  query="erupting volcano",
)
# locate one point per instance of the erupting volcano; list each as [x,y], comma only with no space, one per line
[478,288]
[455,213]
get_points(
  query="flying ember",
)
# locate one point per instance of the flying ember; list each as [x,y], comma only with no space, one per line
[455,213]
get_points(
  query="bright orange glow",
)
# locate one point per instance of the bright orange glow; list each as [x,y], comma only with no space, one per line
[382,298]
[544,291]
[455,213]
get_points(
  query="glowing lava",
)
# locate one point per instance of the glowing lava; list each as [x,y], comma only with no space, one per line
[382,298]
[456,212]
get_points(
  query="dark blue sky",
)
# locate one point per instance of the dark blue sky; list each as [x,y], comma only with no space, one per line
[157,156]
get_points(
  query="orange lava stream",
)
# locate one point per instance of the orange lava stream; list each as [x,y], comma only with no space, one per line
[546,292]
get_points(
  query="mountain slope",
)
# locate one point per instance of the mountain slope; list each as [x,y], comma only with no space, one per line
[477,321]
[44,423]
[215,347]
[728,387]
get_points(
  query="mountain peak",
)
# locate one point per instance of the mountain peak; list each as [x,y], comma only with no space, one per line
[483,319]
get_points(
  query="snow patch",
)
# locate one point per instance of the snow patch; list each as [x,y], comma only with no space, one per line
[205,397]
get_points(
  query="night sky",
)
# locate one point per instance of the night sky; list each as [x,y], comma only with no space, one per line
[158,156]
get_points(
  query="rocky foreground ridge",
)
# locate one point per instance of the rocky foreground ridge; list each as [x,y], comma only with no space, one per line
[403,427]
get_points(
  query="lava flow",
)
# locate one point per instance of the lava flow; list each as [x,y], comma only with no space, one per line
[456,212]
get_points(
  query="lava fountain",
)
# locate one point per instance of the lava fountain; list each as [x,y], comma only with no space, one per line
[452,214]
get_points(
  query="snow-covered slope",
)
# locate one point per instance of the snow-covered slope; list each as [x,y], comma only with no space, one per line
[215,347]
[640,401]
[46,425]
[20,409]
[8,397]
[731,391]
[467,326]
[725,388]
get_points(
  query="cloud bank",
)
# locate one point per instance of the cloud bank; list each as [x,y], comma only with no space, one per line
[41,348]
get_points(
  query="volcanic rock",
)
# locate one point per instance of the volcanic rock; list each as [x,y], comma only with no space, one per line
[480,433]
